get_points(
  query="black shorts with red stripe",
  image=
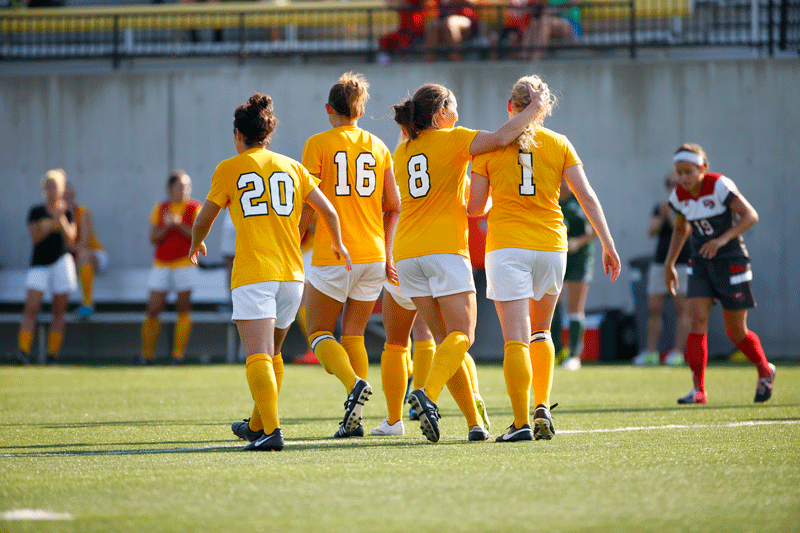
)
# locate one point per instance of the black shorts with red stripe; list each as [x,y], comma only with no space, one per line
[727,280]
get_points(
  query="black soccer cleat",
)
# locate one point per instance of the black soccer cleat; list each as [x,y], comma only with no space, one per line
[543,423]
[428,414]
[764,386]
[243,431]
[341,433]
[525,433]
[354,404]
[267,443]
[478,433]
[23,358]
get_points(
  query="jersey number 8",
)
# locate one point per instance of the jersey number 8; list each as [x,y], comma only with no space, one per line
[281,194]
[419,181]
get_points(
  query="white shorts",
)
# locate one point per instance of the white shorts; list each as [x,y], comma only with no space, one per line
[656,284]
[517,274]
[307,256]
[227,244]
[398,297]
[101,256]
[162,279]
[56,278]
[363,283]
[269,299]
[435,275]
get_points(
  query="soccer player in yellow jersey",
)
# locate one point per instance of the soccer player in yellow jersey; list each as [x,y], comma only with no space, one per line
[526,251]
[264,192]
[430,247]
[355,172]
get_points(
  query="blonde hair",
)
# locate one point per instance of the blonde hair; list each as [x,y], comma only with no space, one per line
[58,175]
[521,98]
[695,149]
[349,95]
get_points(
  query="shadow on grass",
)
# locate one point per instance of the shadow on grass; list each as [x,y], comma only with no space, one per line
[295,444]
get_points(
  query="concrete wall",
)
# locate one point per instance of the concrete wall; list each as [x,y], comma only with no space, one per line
[118,134]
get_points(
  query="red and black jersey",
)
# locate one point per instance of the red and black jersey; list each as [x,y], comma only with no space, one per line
[709,214]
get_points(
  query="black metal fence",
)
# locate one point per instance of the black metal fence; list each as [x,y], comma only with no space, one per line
[311,29]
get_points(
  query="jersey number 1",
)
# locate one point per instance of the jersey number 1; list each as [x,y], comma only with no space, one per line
[527,187]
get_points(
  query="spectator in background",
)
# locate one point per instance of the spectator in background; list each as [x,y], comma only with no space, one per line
[579,274]
[52,230]
[661,226]
[90,256]
[412,15]
[171,233]
[556,19]
[516,19]
[449,29]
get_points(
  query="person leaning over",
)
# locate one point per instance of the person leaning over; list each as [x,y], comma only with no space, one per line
[264,191]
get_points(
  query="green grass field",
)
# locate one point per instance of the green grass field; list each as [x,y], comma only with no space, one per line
[130,449]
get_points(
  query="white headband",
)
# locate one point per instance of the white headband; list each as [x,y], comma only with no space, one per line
[691,157]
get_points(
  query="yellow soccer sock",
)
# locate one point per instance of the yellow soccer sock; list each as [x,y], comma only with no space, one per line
[333,357]
[255,419]
[54,340]
[24,341]
[277,368]
[264,389]
[517,370]
[446,361]
[461,389]
[183,327]
[301,321]
[423,355]
[150,329]
[473,373]
[409,363]
[394,376]
[86,275]
[357,353]
[543,356]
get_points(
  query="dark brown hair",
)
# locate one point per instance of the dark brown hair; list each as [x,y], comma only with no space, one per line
[174,176]
[349,95]
[417,113]
[255,119]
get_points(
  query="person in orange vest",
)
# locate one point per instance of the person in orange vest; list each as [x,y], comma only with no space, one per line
[171,232]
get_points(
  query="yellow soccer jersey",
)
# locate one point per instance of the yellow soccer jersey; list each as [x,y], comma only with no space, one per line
[431,173]
[525,188]
[81,212]
[264,192]
[351,164]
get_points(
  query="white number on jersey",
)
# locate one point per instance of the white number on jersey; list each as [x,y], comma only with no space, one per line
[703,226]
[419,181]
[527,187]
[281,194]
[365,174]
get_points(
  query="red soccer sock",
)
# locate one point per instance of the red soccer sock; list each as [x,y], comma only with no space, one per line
[697,358]
[751,347]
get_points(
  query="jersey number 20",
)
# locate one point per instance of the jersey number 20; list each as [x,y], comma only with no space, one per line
[281,194]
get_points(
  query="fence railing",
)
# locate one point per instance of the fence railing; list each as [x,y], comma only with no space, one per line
[355,29]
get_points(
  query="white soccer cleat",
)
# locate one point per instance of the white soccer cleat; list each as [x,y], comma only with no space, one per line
[674,358]
[573,363]
[648,358]
[386,429]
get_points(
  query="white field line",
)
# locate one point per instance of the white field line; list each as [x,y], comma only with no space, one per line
[321,441]
[35,514]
